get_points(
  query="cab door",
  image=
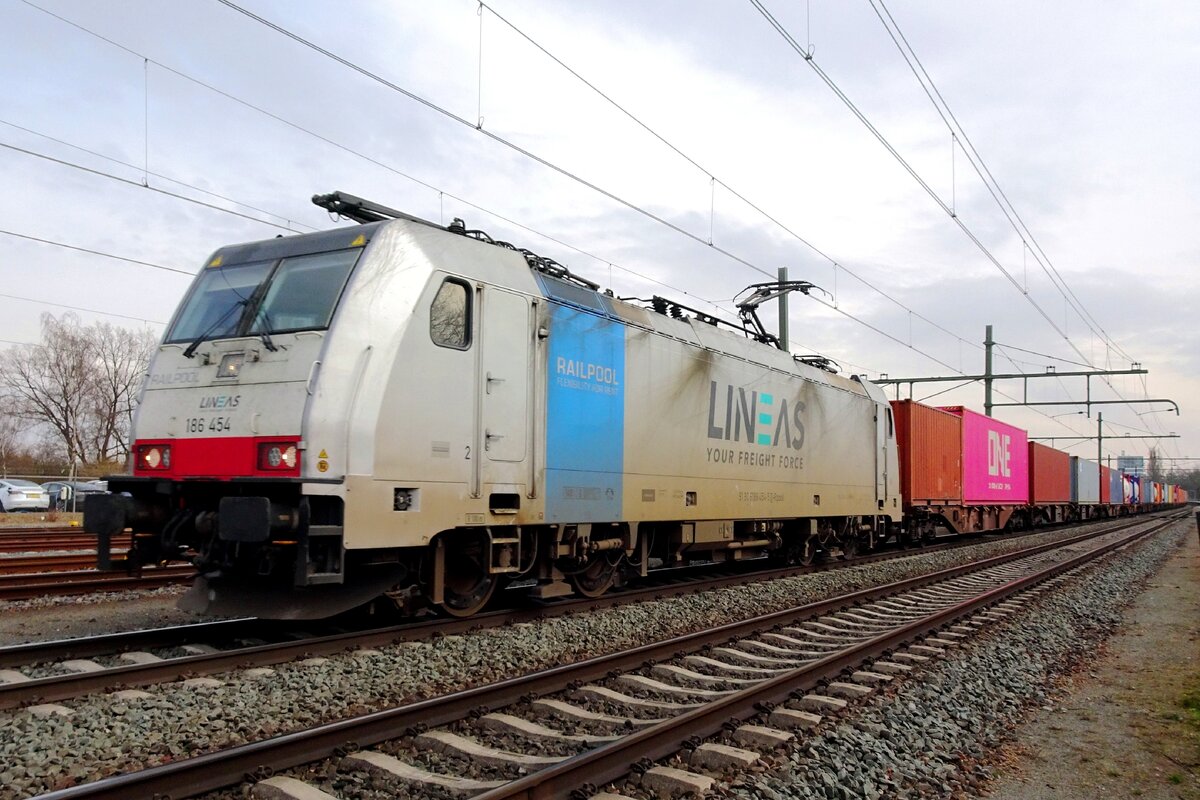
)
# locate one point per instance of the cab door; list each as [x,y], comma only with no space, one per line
[504,385]
[885,433]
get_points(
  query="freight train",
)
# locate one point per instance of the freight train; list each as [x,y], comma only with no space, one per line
[413,414]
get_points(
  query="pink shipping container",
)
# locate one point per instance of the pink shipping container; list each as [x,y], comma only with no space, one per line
[995,460]
[928,442]
[1049,475]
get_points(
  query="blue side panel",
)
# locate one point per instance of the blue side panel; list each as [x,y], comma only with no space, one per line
[585,420]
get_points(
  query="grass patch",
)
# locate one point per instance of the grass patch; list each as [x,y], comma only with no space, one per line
[1191,706]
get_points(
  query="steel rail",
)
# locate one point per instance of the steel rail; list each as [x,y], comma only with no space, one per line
[210,771]
[22,530]
[24,587]
[611,761]
[42,544]
[63,687]
[57,562]
[87,646]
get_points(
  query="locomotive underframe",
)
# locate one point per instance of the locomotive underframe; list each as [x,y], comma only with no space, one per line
[264,547]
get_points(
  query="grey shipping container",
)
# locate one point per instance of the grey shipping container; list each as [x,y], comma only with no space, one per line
[1085,481]
[1115,488]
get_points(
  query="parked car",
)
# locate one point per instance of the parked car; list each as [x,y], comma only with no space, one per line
[19,495]
[68,495]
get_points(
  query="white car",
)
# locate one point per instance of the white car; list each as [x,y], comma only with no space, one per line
[19,495]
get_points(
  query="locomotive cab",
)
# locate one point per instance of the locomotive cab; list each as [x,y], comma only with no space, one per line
[219,461]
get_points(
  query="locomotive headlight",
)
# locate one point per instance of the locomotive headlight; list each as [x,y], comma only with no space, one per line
[154,456]
[277,455]
[231,365]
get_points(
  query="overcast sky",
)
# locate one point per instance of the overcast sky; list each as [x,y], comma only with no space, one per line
[1085,113]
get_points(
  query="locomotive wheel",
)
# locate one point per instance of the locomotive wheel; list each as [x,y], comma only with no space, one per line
[468,586]
[596,578]
[803,552]
[849,547]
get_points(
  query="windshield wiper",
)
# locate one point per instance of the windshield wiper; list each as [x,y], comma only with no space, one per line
[265,336]
[191,348]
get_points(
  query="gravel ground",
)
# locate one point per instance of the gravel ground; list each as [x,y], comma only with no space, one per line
[935,736]
[1124,730]
[46,618]
[104,736]
[38,519]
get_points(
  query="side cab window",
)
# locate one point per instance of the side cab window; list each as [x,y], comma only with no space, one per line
[450,315]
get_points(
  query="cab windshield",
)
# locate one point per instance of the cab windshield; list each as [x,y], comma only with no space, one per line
[297,293]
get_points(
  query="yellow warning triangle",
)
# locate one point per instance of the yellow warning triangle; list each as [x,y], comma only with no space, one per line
[359,242]
[323,455]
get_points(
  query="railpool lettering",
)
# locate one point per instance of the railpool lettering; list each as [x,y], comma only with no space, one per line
[586,370]
[173,378]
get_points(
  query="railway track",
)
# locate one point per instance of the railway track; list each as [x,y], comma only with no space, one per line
[600,718]
[145,658]
[40,540]
[27,586]
[50,562]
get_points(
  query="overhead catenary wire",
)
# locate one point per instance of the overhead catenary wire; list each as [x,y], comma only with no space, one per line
[713,178]
[929,190]
[993,186]
[981,168]
[356,153]
[950,212]
[96,252]
[449,114]
[513,146]
[846,314]
[151,173]
[137,184]
[80,308]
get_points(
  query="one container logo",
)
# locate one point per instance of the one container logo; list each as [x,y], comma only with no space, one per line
[999,454]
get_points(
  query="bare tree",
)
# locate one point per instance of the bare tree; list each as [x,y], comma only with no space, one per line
[120,357]
[10,434]
[80,382]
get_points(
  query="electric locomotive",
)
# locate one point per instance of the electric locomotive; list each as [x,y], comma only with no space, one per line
[404,411]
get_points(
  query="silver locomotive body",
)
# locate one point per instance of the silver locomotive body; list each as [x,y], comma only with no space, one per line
[405,410]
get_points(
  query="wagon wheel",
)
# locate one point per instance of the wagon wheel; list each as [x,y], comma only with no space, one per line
[468,585]
[597,576]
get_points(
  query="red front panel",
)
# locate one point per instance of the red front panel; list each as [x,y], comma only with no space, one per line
[1105,484]
[218,457]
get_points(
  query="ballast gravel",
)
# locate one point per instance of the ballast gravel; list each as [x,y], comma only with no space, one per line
[105,736]
[932,737]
